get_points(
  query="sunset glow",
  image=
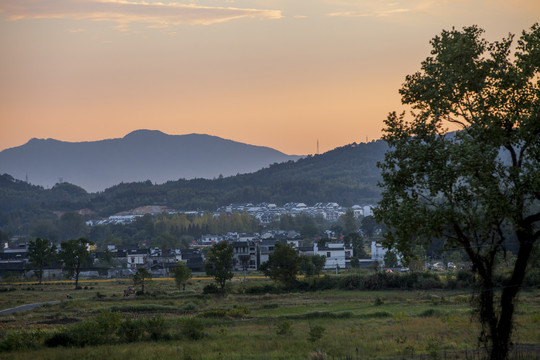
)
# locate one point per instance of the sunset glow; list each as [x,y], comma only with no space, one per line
[275,73]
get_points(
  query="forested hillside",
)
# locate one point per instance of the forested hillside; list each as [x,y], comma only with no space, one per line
[347,175]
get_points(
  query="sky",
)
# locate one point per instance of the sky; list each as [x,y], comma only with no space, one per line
[277,73]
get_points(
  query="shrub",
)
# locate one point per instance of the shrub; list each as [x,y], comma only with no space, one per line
[351,282]
[60,339]
[99,330]
[156,328]
[191,328]
[284,328]
[211,289]
[263,289]
[189,307]
[21,340]
[316,333]
[131,330]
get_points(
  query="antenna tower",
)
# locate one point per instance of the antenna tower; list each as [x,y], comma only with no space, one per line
[317,146]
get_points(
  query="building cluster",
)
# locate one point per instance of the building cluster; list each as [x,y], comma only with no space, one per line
[264,212]
[249,252]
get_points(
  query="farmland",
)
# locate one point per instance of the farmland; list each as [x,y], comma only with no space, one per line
[167,323]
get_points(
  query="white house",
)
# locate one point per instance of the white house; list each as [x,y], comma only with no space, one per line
[378,252]
[335,255]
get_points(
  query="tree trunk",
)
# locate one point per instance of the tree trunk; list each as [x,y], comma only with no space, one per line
[503,331]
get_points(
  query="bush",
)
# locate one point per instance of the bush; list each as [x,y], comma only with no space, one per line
[263,289]
[21,340]
[156,328]
[351,282]
[284,328]
[131,330]
[191,328]
[60,339]
[211,289]
[189,307]
[316,333]
[97,331]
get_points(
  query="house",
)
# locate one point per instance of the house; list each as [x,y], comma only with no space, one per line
[266,247]
[193,259]
[335,255]
[244,255]
[378,252]
[137,257]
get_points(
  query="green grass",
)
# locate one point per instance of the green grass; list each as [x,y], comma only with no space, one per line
[380,324]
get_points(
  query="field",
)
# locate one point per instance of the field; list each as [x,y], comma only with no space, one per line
[167,323]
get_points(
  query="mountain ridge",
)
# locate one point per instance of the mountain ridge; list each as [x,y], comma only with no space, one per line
[138,156]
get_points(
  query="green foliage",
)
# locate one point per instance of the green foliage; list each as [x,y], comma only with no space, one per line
[191,328]
[390,259]
[219,262]
[141,278]
[316,333]
[181,274]
[347,175]
[350,225]
[311,265]
[282,265]
[21,340]
[284,328]
[476,188]
[74,255]
[131,330]
[357,243]
[40,254]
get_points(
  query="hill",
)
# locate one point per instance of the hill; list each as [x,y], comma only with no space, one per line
[139,156]
[347,175]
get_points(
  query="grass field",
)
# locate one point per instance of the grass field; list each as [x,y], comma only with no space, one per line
[176,324]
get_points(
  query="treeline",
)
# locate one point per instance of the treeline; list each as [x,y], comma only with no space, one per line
[347,175]
[172,231]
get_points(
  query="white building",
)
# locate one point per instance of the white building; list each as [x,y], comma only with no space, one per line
[335,255]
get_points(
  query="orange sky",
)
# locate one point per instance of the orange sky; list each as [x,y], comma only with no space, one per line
[278,73]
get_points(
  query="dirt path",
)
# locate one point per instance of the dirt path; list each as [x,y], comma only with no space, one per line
[26,307]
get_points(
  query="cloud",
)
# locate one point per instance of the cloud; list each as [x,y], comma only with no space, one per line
[124,12]
[371,13]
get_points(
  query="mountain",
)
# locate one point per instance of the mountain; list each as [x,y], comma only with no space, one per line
[347,175]
[139,156]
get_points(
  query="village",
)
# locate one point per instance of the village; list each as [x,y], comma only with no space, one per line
[251,250]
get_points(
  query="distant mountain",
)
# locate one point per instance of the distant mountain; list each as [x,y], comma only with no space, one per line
[347,175]
[139,156]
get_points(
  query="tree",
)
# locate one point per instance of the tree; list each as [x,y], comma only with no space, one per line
[219,262]
[181,274]
[142,277]
[350,224]
[390,259]
[40,254]
[71,225]
[477,188]
[74,254]
[369,225]
[244,262]
[357,243]
[282,265]
[318,262]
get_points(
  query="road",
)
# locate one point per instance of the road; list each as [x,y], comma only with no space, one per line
[26,307]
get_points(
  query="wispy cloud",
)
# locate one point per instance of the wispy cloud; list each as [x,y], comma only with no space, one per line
[379,8]
[124,12]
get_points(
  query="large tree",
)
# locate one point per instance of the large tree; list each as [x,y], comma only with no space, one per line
[283,265]
[142,277]
[477,188]
[219,263]
[181,274]
[40,254]
[74,255]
